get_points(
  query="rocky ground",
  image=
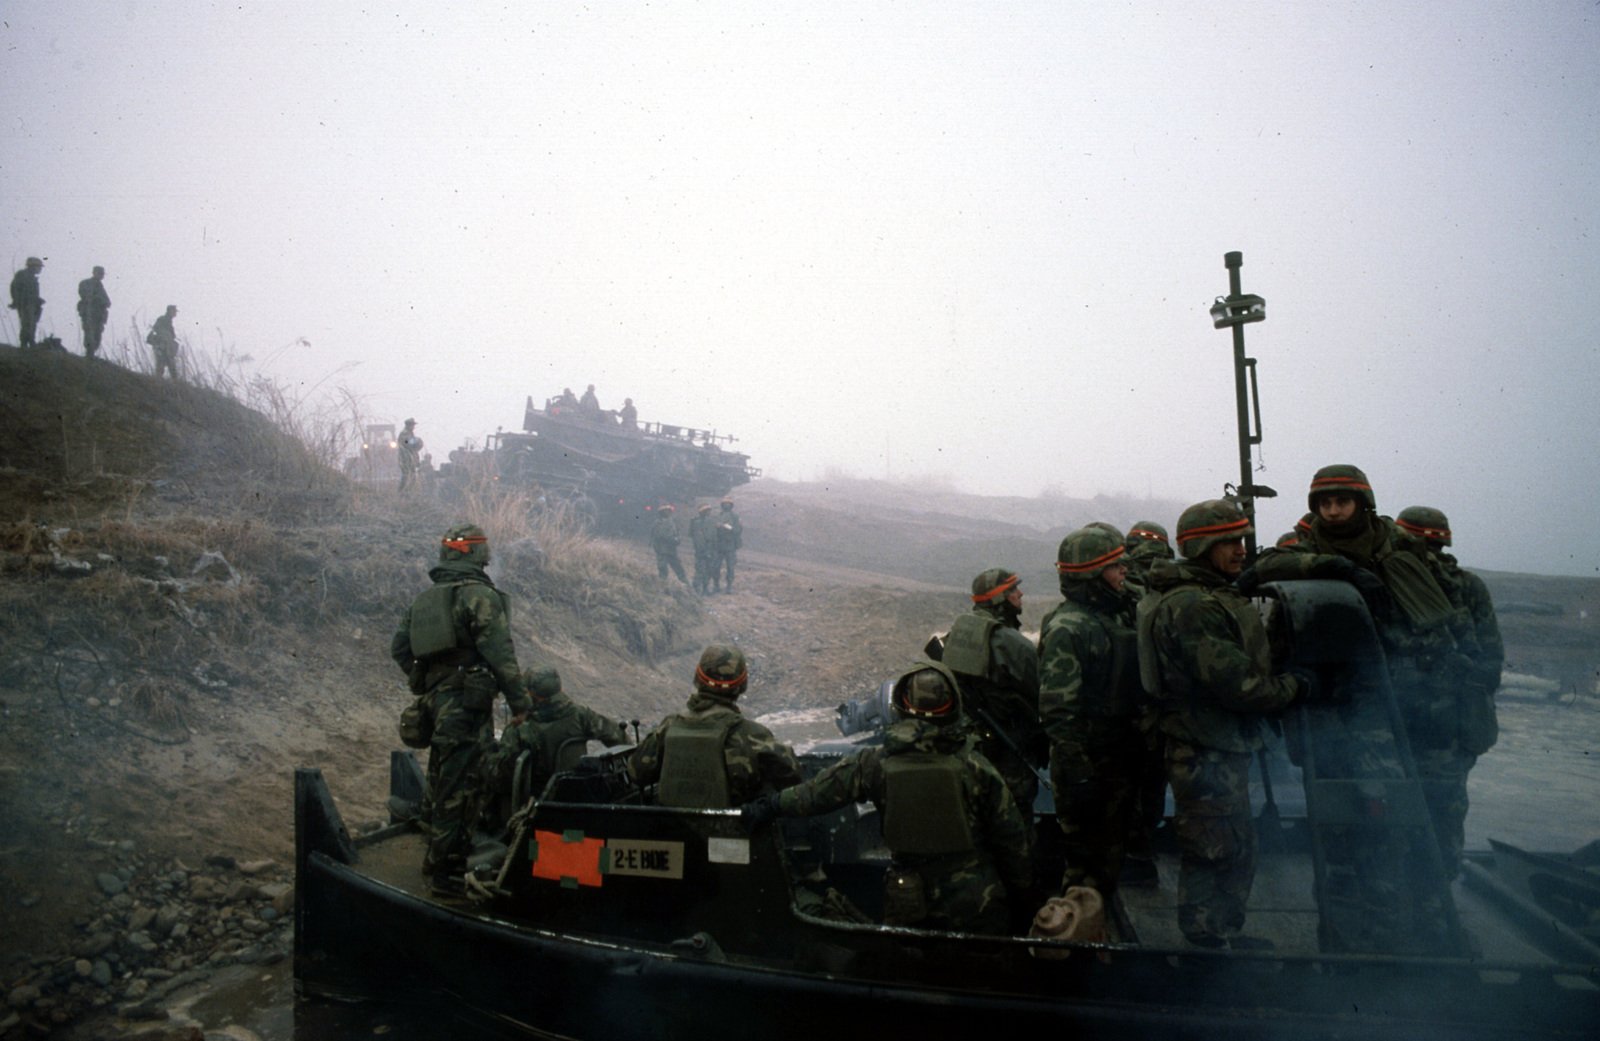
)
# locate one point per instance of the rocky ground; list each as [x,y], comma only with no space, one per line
[192,606]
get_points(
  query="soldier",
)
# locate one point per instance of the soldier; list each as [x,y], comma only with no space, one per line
[1147,542]
[1448,764]
[454,643]
[703,537]
[410,453]
[960,847]
[553,722]
[629,415]
[94,306]
[164,340]
[664,540]
[567,402]
[730,536]
[1428,637]
[26,301]
[999,674]
[1205,656]
[1089,699]
[710,756]
[589,404]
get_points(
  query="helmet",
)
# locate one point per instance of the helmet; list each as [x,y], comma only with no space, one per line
[33,262]
[927,692]
[722,670]
[1108,528]
[464,542]
[411,422]
[1205,524]
[705,507]
[1341,477]
[1287,539]
[727,504]
[1146,531]
[542,682]
[1425,522]
[994,585]
[1087,552]
[667,507]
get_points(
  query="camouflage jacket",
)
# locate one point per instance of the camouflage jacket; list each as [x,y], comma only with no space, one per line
[756,760]
[162,334]
[1489,651]
[703,534]
[664,534]
[25,291]
[1213,659]
[482,616]
[1139,559]
[94,303]
[551,723]
[1088,673]
[1009,691]
[1000,833]
[729,531]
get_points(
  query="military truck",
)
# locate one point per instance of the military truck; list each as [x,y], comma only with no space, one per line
[613,471]
[378,462]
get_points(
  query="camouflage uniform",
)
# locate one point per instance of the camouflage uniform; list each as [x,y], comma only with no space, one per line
[94,307]
[753,761]
[26,301]
[1089,699]
[703,536]
[1147,542]
[163,341]
[554,720]
[730,537]
[410,454]
[999,674]
[969,889]
[1445,767]
[466,621]
[664,540]
[1213,670]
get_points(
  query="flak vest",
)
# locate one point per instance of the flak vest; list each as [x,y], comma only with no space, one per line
[694,772]
[925,807]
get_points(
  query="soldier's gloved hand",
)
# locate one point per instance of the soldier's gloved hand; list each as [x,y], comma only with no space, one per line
[1371,588]
[761,812]
[1310,684]
[1248,581]
[1337,568]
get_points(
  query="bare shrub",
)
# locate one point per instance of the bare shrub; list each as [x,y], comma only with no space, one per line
[154,701]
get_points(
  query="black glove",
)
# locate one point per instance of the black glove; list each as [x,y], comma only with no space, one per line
[1337,568]
[1371,588]
[1247,582]
[1310,684]
[761,812]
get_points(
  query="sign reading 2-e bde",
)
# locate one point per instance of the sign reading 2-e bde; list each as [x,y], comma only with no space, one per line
[644,857]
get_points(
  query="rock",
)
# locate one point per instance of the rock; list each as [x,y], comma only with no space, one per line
[180,931]
[101,974]
[267,914]
[142,1010]
[221,860]
[141,918]
[83,966]
[256,867]
[22,996]
[95,945]
[204,889]
[136,989]
[110,884]
[281,894]
[241,890]
[8,1022]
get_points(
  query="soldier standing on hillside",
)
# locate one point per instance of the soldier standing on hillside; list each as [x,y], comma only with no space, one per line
[710,756]
[703,537]
[998,670]
[163,340]
[730,536]
[94,306]
[664,539]
[1090,701]
[26,301]
[1205,655]
[454,644]
[410,454]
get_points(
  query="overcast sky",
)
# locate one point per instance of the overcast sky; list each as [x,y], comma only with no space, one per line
[974,241]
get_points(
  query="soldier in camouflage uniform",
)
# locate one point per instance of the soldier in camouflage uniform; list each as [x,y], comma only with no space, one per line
[552,722]
[960,846]
[1428,636]
[454,644]
[1477,728]
[1205,656]
[1147,542]
[999,674]
[664,540]
[710,756]
[1089,699]
[729,533]
[703,536]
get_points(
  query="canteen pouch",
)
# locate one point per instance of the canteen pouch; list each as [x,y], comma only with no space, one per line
[416,723]
[905,897]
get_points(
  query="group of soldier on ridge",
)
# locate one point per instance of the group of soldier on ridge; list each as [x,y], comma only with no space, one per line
[716,538]
[1154,670]
[94,309]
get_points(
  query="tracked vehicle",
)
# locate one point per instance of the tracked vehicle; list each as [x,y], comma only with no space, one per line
[613,473]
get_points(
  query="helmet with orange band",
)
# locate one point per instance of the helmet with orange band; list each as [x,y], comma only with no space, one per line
[722,671]
[464,542]
[1087,552]
[1205,524]
[1426,523]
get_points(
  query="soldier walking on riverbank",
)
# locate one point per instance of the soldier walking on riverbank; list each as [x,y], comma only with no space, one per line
[94,306]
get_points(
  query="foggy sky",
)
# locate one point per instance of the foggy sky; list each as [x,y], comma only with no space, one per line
[970,241]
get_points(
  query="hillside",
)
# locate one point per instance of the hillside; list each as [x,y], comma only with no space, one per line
[193,604]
